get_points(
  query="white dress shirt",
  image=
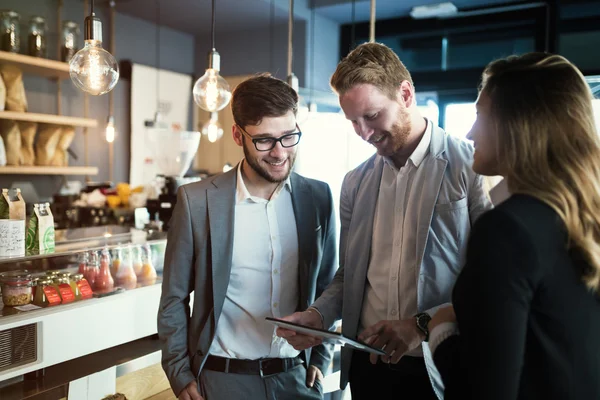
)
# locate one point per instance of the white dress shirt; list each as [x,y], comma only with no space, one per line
[391,290]
[264,276]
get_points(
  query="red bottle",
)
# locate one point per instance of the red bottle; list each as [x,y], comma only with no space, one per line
[104,280]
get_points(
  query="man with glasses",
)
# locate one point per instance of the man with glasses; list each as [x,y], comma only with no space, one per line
[257,241]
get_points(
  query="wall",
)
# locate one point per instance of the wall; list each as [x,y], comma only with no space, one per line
[135,42]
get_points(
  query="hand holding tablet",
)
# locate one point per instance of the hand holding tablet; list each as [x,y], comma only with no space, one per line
[324,335]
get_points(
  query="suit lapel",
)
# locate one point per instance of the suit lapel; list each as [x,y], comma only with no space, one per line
[221,216]
[304,212]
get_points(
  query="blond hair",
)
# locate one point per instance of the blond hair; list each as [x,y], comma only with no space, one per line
[548,145]
[371,63]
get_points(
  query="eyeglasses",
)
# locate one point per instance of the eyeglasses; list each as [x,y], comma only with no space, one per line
[267,144]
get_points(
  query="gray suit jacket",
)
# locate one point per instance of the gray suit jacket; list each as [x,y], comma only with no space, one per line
[198,259]
[446,198]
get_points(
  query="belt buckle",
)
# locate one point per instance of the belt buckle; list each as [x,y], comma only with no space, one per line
[260,368]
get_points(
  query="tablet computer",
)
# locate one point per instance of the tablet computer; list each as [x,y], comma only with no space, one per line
[327,336]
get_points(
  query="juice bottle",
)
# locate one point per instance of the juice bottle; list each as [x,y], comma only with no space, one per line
[82,260]
[93,268]
[104,281]
[117,256]
[126,277]
[148,273]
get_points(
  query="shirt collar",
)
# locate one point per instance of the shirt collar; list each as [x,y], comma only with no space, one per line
[242,194]
[418,155]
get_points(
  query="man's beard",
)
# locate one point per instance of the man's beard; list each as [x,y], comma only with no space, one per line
[262,171]
[397,135]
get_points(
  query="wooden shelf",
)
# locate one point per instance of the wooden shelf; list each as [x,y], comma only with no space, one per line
[36,65]
[49,119]
[42,170]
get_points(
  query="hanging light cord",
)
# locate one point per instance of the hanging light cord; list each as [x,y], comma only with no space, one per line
[272,37]
[157,55]
[312,51]
[372,23]
[353,30]
[212,29]
[92,7]
[290,37]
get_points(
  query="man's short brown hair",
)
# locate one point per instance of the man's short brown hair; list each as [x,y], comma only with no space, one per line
[372,63]
[262,96]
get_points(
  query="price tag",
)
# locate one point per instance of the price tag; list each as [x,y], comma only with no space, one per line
[66,293]
[52,295]
[85,289]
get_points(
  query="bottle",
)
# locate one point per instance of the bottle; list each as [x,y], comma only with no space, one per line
[126,277]
[9,31]
[136,259]
[92,268]
[82,260]
[117,256]
[104,281]
[148,273]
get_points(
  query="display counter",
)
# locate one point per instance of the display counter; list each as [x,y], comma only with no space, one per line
[39,347]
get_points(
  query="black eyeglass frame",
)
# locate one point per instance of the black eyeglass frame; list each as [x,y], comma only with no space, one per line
[272,139]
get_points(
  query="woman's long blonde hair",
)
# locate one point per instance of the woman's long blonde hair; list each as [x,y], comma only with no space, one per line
[548,144]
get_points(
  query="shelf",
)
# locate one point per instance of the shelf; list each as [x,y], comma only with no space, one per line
[42,170]
[49,119]
[36,65]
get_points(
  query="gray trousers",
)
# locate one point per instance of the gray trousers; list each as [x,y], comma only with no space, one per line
[289,385]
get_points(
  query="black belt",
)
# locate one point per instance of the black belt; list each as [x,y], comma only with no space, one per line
[262,367]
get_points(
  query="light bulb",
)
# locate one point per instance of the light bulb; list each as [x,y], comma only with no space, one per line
[110,130]
[211,91]
[93,69]
[212,129]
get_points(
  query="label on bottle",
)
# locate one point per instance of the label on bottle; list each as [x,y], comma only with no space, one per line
[66,293]
[52,295]
[85,289]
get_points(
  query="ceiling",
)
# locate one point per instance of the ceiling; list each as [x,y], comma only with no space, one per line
[194,16]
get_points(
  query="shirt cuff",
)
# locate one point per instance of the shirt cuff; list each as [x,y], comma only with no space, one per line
[440,333]
[311,308]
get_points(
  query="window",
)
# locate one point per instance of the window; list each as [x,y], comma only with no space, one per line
[459,118]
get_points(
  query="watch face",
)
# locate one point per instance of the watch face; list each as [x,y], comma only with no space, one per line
[422,320]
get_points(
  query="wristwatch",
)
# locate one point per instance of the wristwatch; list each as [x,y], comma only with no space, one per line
[422,320]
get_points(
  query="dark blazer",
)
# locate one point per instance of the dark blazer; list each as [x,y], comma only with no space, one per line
[198,259]
[529,327]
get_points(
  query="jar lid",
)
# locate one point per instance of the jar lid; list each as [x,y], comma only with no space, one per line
[38,19]
[9,13]
[16,278]
[61,279]
[53,273]
[65,274]
[44,281]
[77,277]
[70,24]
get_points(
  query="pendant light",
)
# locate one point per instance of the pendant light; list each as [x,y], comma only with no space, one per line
[211,92]
[93,69]
[212,129]
[312,106]
[292,79]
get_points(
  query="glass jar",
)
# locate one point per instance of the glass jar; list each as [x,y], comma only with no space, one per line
[70,36]
[93,268]
[36,39]
[16,288]
[85,291]
[62,285]
[148,274]
[117,256]
[46,294]
[126,277]
[82,260]
[9,31]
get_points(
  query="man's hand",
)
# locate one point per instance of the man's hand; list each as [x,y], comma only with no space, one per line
[313,374]
[298,340]
[445,314]
[190,392]
[396,338]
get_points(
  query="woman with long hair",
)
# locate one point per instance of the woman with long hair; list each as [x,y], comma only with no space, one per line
[525,321]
